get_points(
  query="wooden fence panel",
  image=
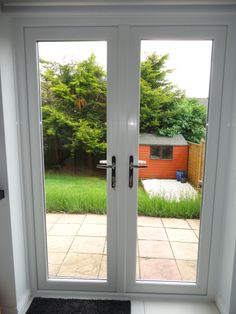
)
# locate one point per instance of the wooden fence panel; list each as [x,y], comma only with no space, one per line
[196,160]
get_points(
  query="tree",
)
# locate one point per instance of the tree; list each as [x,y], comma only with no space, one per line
[164,109]
[74,107]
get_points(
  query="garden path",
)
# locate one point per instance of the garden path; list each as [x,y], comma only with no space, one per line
[167,247]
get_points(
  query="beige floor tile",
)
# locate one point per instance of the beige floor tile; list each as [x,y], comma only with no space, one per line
[71,219]
[95,219]
[88,245]
[55,258]
[186,251]
[151,233]
[194,223]
[175,223]
[59,244]
[64,229]
[155,249]
[93,230]
[181,235]
[103,268]
[188,270]
[196,231]
[105,248]
[159,269]
[53,270]
[52,218]
[149,221]
[81,266]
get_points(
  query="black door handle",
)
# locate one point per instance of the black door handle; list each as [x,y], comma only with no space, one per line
[113,170]
[131,170]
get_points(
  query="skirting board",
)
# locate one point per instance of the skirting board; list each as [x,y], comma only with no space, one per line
[24,302]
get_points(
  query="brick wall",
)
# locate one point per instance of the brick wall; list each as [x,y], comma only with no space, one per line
[163,169]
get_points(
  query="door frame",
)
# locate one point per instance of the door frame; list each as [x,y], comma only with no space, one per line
[32,36]
[151,17]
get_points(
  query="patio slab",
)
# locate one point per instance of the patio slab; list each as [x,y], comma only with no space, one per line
[185,251]
[93,245]
[152,233]
[81,265]
[159,269]
[175,223]
[167,248]
[188,269]
[98,230]
[149,221]
[155,249]
[64,229]
[181,235]
[59,243]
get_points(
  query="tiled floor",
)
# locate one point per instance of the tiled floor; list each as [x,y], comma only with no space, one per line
[167,248]
[173,307]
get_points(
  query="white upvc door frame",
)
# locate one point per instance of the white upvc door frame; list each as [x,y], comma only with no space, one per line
[32,36]
[123,58]
[217,34]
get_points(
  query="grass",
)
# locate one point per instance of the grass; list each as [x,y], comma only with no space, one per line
[75,194]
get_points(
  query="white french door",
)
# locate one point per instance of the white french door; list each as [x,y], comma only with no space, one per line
[123,48]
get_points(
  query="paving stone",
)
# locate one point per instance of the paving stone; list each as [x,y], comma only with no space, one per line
[64,229]
[59,243]
[53,270]
[55,258]
[81,266]
[155,249]
[188,270]
[95,219]
[49,226]
[194,223]
[149,221]
[103,268]
[181,235]
[71,219]
[52,218]
[152,233]
[175,223]
[186,251]
[196,231]
[88,245]
[159,269]
[93,230]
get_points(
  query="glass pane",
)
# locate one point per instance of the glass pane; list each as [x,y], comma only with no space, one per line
[73,93]
[174,87]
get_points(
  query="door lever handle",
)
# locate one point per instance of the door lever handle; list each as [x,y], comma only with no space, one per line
[103,165]
[131,169]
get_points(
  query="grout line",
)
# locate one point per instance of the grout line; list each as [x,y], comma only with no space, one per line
[66,253]
[174,256]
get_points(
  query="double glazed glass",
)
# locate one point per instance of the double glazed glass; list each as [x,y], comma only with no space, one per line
[73,108]
[173,123]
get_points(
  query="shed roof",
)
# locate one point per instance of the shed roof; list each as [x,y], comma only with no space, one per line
[151,139]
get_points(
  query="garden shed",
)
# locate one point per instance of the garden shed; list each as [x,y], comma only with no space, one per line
[163,155]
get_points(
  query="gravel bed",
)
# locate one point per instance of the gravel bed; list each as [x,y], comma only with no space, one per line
[169,189]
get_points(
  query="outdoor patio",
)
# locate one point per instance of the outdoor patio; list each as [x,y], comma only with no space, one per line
[167,248]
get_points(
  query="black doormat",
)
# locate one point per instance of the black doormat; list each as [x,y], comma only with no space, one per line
[74,306]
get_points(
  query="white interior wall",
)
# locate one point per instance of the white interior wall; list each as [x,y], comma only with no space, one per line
[12,241]
[14,287]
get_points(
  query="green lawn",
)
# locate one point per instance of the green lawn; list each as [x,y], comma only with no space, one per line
[74,194]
